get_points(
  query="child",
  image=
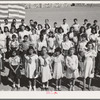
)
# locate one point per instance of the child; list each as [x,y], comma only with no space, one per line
[59,36]
[58,67]
[76,25]
[39,29]
[51,43]
[85,23]
[45,68]
[81,49]
[72,68]
[89,65]
[14,44]
[14,73]
[41,42]
[88,31]
[66,44]
[31,67]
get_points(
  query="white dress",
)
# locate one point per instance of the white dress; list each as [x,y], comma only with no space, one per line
[51,44]
[65,27]
[30,65]
[67,45]
[58,68]
[89,63]
[45,69]
[3,42]
[72,67]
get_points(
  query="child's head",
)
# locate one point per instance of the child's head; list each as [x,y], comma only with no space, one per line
[71,29]
[65,37]
[22,21]
[6,29]
[95,21]
[83,37]
[14,20]
[64,21]
[6,21]
[60,30]
[58,51]
[89,45]
[71,51]
[85,20]
[13,29]
[25,38]
[88,25]
[40,26]
[47,26]
[51,34]
[82,29]
[55,24]
[93,31]
[44,50]
[27,28]
[75,20]
[22,27]
[33,31]
[56,30]
[14,37]
[14,53]
[31,22]
[31,50]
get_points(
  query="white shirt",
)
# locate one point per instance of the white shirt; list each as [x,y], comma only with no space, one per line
[65,27]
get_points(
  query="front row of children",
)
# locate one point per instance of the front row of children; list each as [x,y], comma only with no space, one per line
[48,67]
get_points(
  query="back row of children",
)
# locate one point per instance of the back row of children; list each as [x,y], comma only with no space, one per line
[46,52]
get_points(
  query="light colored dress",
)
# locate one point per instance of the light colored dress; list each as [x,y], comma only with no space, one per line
[58,68]
[72,67]
[51,44]
[89,63]
[30,65]
[45,68]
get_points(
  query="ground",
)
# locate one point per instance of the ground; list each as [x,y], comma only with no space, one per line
[57,14]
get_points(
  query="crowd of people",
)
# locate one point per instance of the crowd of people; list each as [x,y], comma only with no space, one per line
[50,52]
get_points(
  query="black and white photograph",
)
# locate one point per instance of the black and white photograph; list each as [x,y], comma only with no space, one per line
[50,47]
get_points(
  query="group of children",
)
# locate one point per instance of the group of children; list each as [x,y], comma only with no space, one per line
[50,52]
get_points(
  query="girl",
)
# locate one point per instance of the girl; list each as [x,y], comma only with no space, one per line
[40,27]
[45,68]
[66,44]
[34,39]
[51,43]
[58,67]
[14,73]
[72,68]
[31,67]
[59,36]
[76,25]
[89,65]
[47,28]
[14,44]
[81,49]
[88,31]
[41,42]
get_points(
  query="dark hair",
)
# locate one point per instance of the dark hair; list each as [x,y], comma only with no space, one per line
[13,51]
[72,48]
[42,32]
[90,42]
[55,22]
[13,28]
[5,28]
[95,21]
[88,24]
[13,36]
[27,27]
[52,33]
[35,22]
[75,19]
[84,36]
[56,29]
[71,28]
[81,29]
[58,49]
[64,19]
[93,29]
[85,20]
[30,47]
[25,36]
[47,25]
[60,28]
[40,25]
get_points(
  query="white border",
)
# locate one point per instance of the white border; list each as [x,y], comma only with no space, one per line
[42,94]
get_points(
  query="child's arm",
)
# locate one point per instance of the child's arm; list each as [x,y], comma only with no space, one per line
[37,67]
[11,68]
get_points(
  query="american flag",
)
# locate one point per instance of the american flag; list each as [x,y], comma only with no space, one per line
[11,11]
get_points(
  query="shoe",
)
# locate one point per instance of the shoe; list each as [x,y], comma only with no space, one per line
[34,88]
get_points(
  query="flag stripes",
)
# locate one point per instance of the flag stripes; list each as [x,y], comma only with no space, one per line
[12,11]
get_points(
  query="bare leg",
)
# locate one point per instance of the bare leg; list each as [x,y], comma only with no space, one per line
[34,84]
[89,85]
[84,84]
[59,85]
[70,89]
[73,83]
[30,86]
[56,84]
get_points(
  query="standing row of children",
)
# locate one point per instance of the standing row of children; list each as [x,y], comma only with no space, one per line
[50,52]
